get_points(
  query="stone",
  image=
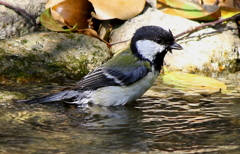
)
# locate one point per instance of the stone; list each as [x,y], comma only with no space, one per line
[50,56]
[201,53]
[13,24]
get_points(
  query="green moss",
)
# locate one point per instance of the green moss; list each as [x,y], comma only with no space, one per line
[234,65]
[28,65]
[79,38]
[9,95]
[97,47]
[24,41]
[40,67]
[71,36]
[59,47]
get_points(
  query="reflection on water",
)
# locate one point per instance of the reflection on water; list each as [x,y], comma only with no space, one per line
[170,121]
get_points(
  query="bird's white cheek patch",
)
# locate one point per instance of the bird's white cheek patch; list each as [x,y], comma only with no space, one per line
[149,49]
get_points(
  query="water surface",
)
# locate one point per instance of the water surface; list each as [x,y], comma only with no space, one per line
[168,121]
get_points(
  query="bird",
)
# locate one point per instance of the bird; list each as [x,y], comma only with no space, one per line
[125,77]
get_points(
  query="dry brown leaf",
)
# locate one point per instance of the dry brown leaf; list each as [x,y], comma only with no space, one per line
[75,12]
[51,3]
[71,12]
[187,10]
[58,18]
[55,15]
[120,9]
[225,3]
[47,21]
[228,7]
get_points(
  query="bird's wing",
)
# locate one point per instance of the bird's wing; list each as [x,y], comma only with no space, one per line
[123,69]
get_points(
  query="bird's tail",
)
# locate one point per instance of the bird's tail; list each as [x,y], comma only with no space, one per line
[63,95]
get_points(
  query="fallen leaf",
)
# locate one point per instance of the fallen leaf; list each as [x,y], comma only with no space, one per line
[229,12]
[187,10]
[120,9]
[225,3]
[48,22]
[228,8]
[58,18]
[192,82]
[74,12]
[51,3]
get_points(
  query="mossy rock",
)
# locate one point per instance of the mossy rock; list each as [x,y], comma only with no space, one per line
[50,56]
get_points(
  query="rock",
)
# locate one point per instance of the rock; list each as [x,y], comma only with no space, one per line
[13,24]
[50,56]
[202,53]
[152,3]
[6,96]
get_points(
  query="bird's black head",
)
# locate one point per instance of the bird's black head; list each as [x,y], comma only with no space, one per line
[152,43]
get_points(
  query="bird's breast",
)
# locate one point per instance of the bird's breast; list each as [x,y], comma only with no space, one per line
[120,95]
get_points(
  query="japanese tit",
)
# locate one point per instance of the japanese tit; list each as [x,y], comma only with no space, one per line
[125,77]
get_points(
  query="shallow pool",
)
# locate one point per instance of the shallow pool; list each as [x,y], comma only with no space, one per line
[168,121]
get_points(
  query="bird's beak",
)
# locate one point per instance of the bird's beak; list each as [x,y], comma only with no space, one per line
[176,46]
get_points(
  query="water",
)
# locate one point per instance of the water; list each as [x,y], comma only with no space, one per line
[164,121]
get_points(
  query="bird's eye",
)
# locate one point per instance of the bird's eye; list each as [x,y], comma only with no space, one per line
[159,41]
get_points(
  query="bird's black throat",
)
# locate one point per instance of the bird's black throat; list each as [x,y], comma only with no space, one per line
[159,59]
